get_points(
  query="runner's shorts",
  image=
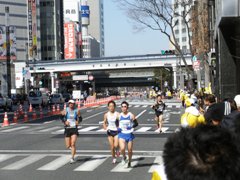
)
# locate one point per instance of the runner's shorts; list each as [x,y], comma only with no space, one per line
[126,137]
[112,133]
[158,113]
[70,131]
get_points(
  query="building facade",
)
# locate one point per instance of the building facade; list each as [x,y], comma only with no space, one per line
[227,46]
[52,38]
[96,27]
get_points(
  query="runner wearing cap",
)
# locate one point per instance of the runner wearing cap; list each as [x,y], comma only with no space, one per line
[110,120]
[71,117]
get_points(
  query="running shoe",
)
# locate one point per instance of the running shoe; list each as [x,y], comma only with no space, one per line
[72,161]
[124,160]
[114,161]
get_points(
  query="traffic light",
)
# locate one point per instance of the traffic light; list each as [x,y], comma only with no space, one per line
[167,52]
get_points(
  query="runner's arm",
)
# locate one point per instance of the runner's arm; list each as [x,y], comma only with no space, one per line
[105,121]
[135,122]
[79,116]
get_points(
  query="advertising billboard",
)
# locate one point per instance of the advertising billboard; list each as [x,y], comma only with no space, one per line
[69,41]
[71,10]
[32,29]
[85,14]
[3,43]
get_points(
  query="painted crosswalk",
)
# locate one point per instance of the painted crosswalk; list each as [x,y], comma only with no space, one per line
[84,162]
[169,106]
[89,129]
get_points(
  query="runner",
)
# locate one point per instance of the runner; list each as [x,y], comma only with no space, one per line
[71,118]
[109,123]
[159,107]
[127,123]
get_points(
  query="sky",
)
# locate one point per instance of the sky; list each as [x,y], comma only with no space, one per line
[121,38]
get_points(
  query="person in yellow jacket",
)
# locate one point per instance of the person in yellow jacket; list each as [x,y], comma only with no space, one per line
[182,97]
[192,117]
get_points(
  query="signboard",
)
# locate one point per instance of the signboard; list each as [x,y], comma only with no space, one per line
[196,65]
[71,10]
[69,41]
[80,77]
[32,29]
[3,43]
[76,94]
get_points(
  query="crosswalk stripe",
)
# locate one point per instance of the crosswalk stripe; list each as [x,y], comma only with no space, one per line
[4,157]
[164,129]
[144,106]
[59,131]
[143,129]
[92,164]
[15,129]
[88,129]
[24,162]
[156,164]
[123,168]
[50,129]
[57,163]
[101,130]
[137,106]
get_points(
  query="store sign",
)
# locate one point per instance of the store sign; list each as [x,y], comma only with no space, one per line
[80,77]
[69,41]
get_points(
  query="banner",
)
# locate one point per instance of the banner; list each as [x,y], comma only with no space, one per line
[69,41]
[3,43]
[32,29]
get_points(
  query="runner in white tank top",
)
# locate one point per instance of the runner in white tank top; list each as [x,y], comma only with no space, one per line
[109,123]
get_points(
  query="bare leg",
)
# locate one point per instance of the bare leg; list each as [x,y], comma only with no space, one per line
[73,144]
[122,145]
[130,151]
[111,143]
[67,142]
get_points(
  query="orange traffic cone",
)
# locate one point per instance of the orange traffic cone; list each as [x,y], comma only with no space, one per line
[20,109]
[30,108]
[49,111]
[79,105]
[34,115]
[65,106]
[5,120]
[58,108]
[25,119]
[41,112]
[53,110]
[15,117]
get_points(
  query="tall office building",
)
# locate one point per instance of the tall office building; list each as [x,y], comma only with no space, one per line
[24,23]
[180,30]
[96,27]
[52,38]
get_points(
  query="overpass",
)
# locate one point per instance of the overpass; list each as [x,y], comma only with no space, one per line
[109,63]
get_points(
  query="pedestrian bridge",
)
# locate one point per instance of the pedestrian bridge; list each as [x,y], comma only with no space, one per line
[109,63]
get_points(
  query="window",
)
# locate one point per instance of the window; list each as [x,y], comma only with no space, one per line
[176,31]
[184,30]
[184,39]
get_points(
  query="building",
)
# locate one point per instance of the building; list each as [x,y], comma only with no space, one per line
[24,22]
[181,30]
[96,26]
[227,46]
[52,33]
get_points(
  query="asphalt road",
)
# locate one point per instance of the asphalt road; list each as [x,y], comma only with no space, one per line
[35,150]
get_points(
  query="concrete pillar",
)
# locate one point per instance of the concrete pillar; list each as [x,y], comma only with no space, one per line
[52,82]
[174,77]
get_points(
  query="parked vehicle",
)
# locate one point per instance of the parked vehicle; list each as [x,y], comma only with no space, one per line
[5,103]
[56,98]
[17,98]
[67,96]
[35,98]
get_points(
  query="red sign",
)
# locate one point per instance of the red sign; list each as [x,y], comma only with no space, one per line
[69,41]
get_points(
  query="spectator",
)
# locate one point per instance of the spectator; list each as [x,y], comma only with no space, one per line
[202,153]
[230,120]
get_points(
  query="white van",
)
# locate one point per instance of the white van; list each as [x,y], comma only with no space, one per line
[35,98]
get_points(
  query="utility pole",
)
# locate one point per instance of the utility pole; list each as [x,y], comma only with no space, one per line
[8,55]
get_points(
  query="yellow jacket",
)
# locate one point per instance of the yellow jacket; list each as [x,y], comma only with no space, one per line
[192,117]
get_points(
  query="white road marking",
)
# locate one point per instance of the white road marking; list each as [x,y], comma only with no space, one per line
[89,110]
[50,129]
[141,113]
[123,168]
[164,129]
[15,129]
[92,164]
[136,106]
[101,130]
[143,129]
[88,129]
[144,106]
[84,119]
[4,157]
[55,164]
[156,164]
[24,162]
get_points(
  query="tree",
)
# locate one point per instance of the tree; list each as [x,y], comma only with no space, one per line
[161,15]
